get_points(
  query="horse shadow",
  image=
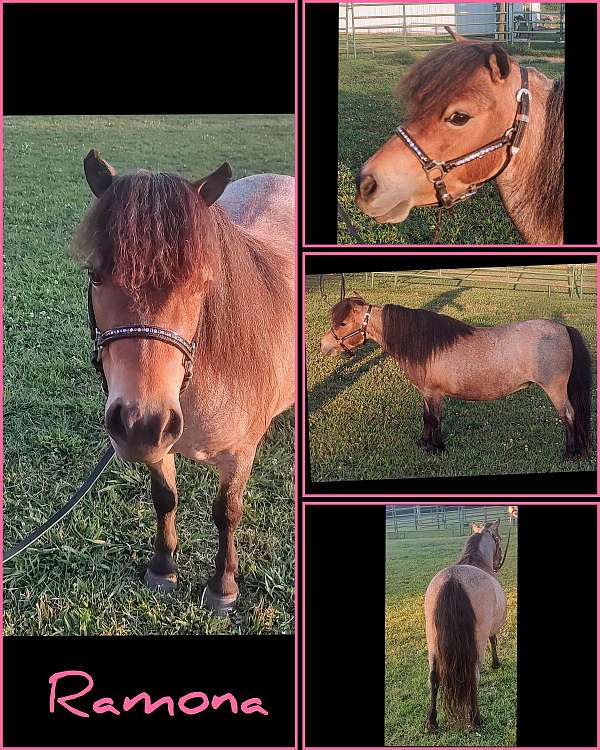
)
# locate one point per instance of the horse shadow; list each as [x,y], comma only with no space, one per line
[338,380]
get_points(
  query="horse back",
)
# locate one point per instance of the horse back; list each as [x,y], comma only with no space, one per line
[263,205]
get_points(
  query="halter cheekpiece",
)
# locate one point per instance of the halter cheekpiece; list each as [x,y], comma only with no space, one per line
[362,330]
[511,138]
[102,339]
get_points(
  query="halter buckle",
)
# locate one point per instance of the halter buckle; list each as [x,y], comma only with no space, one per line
[430,166]
[520,93]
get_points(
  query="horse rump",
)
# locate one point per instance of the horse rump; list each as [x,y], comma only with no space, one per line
[456,653]
[578,390]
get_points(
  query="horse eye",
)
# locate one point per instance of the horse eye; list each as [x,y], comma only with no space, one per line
[342,325]
[459,118]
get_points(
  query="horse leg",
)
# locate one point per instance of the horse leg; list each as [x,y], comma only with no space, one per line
[222,590]
[161,573]
[431,440]
[494,645]
[432,725]
[557,393]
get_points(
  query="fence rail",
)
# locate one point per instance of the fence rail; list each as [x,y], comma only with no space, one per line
[577,280]
[410,521]
[371,27]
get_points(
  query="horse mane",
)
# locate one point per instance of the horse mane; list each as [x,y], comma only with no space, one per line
[435,80]
[152,234]
[414,336]
[471,553]
[545,188]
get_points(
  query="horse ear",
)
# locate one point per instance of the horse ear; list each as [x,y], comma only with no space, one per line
[211,188]
[455,35]
[98,173]
[499,63]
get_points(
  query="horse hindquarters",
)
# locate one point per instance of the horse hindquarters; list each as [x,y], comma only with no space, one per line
[456,653]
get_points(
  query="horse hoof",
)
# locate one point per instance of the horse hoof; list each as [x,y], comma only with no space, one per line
[430,728]
[218,605]
[432,450]
[155,582]
[495,665]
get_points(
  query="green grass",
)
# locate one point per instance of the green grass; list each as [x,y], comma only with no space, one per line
[368,113]
[410,565]
[518,434]
[82,577]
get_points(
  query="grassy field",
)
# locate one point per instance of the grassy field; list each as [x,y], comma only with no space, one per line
[368,113]
[82,578]
[410,565]
[482,438]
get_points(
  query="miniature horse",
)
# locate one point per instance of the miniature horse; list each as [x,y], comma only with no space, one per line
[174,272]
[465,607]
[442,356]
[462,98]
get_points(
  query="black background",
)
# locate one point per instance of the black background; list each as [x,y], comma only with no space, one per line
[148,59]
[345,626]
[321,71]
[556,483]
[248,666]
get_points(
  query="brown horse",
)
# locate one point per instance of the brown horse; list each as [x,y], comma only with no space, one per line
[442,356]
[174,272]
[465,607]
[463,97]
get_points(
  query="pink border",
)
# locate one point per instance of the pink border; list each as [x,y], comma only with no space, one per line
[369,255]
[467,502]
[521,248]
[296,503]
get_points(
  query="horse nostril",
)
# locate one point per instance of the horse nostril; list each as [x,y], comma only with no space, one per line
[173,427]
[368,185]
[114,421]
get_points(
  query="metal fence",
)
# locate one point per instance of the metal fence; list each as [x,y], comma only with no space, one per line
[578,280]
[406,521]
[368,28]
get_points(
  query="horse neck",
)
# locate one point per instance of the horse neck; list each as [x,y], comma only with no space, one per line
[483,557]
[517,183]
[375,327]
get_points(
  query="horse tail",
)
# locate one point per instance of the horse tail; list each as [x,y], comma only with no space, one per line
[578,390]
[456,651]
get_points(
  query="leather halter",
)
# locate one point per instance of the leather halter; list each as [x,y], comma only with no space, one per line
[511,138]
[362,330]
[104,338]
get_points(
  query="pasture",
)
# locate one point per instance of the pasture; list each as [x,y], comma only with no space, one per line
[365,416]
[83,577]
[411,563]
[368,113]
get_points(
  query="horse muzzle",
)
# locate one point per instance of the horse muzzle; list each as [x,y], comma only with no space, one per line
[141,435]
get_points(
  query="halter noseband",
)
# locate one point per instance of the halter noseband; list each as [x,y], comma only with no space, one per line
[362,330]
[512,138]
[104,338]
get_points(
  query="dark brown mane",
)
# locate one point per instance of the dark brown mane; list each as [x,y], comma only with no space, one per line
[435,80]
[153,235]
[414,336]
[546,181]
[471,554]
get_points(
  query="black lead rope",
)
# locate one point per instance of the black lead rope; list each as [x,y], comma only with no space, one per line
[342,286]
[506,549]
[64,511]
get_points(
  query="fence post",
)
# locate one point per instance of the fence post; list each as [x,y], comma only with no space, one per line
[353,30]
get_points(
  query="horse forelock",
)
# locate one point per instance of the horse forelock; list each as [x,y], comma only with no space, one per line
[443,75]
[343,308]
[415,336]
[150,231]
